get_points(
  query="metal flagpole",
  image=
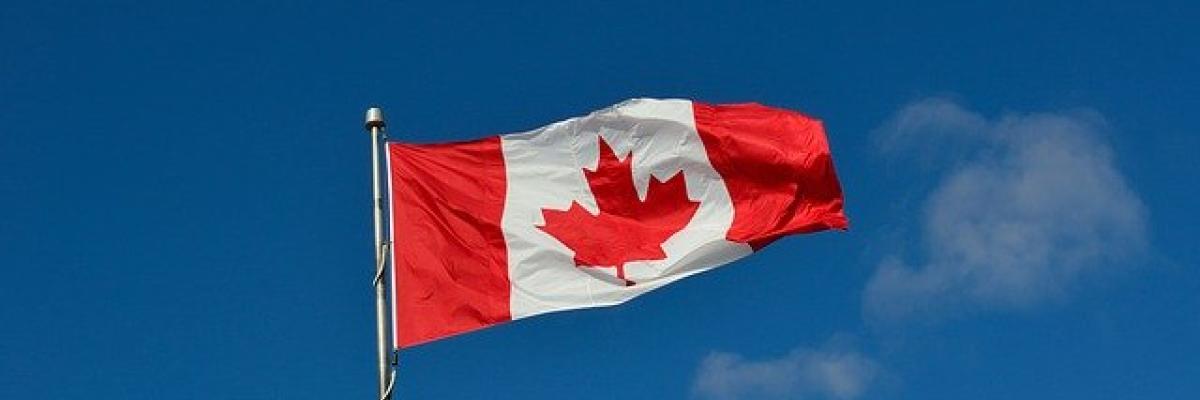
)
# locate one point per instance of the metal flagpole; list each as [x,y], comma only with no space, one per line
[375,125]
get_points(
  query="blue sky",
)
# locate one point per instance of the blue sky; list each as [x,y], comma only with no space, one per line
[185,195]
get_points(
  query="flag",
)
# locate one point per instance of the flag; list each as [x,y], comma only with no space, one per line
[595,210]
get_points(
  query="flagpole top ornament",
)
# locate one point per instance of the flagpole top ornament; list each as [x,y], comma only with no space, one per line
[374,118]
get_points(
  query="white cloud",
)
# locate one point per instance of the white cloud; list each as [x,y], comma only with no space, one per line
[1032,204]
[927,127]
[832,373]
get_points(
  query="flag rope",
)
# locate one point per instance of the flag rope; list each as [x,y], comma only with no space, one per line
[387,393]
[381,263]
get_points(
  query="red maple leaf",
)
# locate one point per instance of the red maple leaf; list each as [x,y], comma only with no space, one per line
[626,228]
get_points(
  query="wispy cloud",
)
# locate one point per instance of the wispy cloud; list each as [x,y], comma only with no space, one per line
[934,129]
[832,372]
[1031,204]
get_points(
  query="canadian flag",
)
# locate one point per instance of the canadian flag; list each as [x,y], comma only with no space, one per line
[596,210]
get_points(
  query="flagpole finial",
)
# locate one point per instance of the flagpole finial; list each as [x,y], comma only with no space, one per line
[374,118]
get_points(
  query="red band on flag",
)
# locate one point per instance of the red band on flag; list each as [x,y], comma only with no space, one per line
[451,265]
[778,169]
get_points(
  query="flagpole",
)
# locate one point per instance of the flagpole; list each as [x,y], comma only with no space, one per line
[375,124]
